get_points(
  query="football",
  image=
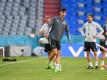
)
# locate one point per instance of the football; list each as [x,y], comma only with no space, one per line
[43,41]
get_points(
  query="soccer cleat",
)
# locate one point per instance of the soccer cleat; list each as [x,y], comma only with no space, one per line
[56,70]
[96,67]
[102,68]
[50,66]
[90,67]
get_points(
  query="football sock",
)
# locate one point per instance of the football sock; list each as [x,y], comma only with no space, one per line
[102,63]
[90,64]
[96,63]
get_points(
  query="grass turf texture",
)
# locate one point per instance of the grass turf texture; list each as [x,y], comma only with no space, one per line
[34,69]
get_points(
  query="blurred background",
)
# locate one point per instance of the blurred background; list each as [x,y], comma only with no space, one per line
[19,18]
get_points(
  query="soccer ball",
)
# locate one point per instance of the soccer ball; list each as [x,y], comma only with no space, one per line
[101,37]
[43,41]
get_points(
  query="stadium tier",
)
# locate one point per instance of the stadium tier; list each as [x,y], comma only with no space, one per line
[23,14]
[19,17]
[77,11]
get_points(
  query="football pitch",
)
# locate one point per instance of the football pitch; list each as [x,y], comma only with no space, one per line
[34,68]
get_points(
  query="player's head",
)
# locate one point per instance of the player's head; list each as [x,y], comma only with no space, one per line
[90,18]
[63,12]
[47,19]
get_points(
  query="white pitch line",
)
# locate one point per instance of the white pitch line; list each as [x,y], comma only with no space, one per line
[14,62]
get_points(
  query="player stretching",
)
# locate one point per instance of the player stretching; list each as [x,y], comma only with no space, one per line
[89,32]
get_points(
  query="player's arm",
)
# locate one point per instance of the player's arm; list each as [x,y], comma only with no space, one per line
[51,23]
[41,31]
[68,33]
[105,30]
[82,30]
[100,29]
[50,26]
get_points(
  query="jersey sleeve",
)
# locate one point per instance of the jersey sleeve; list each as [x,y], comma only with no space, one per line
[82,30]
[68,33]
[42,28]
[99,28]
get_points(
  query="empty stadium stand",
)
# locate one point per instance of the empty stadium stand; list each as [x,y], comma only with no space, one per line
[77,11]
[19,17]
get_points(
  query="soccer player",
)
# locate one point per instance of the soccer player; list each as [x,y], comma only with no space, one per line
[104,44]
[58,26]
[89,32]
[43,32]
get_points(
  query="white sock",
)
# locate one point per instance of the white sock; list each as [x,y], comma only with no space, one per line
[57,66]
[60,67]
[90,64]
[102,63]
[96,63]
[54,63]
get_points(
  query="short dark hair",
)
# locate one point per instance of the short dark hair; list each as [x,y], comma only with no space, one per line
[63,9]
[90,15]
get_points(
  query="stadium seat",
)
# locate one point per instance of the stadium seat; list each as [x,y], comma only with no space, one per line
[9,4]
[12,33]
[17,1]
[2,4]
[97,1]
[11,1]
[81,5]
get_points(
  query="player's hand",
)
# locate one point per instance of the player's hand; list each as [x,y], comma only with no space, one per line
[94,36]
[32,35]
[41,32]
[46,35]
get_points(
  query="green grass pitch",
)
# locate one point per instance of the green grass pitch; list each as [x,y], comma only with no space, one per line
[33,68]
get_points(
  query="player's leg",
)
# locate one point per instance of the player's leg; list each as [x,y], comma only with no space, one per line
[90,65]
[94,49]
[48,50]
[53,53]
[102,60]
[103,57]
[51,57]
[87,50]
[96,59]
[49,62]
[58,58]
[103,51]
